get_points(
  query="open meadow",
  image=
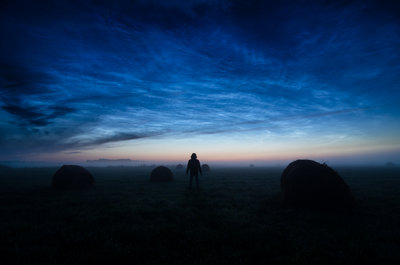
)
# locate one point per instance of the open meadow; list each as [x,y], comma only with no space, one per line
[235,218]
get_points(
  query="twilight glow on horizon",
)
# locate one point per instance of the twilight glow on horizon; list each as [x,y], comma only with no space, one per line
[253,81]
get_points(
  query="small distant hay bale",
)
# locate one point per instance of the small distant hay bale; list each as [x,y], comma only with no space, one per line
[72,177]
[179,167]
[205,168]
[161,174]
[308,184]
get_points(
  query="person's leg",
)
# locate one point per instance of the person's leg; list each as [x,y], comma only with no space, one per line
[197,181]
[191,180]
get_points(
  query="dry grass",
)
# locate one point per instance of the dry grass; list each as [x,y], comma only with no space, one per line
[235,218]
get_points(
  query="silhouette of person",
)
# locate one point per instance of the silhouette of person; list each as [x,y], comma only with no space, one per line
[194,167]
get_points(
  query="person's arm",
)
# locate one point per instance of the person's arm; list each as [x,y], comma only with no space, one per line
[187,167]
[201,173]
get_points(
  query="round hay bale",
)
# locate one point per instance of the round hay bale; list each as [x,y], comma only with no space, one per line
[205,168]
[306,183]
[72,177]
[161,174]
[179,167]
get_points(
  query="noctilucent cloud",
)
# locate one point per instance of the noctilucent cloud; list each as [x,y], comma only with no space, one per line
[230,80]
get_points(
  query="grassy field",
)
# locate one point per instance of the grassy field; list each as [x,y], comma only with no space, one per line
[235,218]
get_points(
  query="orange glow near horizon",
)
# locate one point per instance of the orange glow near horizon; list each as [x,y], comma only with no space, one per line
[221,153]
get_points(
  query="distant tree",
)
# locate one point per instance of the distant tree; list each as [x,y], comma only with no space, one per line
[390,164]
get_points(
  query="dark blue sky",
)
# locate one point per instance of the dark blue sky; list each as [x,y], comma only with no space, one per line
[231,80]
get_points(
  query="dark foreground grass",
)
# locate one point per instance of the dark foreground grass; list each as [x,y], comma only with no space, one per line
[235,218]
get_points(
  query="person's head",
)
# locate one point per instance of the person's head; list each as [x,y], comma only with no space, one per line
[194,156]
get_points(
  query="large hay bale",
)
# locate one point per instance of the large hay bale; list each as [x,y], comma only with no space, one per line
[205,168]
[72,177]
[161,174]
[306,183]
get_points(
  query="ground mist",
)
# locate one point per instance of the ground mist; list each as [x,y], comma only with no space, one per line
[235,218]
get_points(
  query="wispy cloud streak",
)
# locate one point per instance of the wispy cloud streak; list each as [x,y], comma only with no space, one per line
[96,74]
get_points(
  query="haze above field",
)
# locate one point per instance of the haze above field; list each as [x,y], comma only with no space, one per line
[234,81]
